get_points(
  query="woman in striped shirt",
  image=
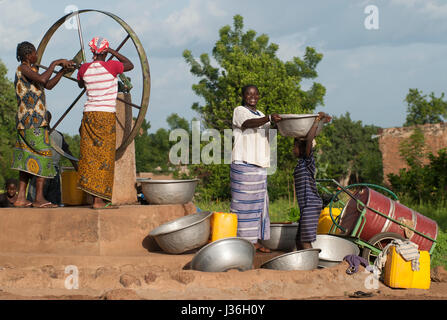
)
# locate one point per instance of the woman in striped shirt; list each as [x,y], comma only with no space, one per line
[98,127]
[309,200]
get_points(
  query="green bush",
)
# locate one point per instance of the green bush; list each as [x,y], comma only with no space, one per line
[439,256]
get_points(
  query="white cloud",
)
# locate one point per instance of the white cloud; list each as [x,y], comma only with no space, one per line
[165,24]
[294,45]
[16,18]
[291,46]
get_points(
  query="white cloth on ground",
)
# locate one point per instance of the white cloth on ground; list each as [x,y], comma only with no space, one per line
[407,249]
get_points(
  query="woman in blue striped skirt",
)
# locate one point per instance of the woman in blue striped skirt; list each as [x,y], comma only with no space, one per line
[309,200]
[250,160]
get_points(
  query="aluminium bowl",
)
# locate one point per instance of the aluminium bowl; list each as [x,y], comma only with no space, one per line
[298,260]
[225,254]
[282,237]
[169,191]
[184,234]
[297,125]
[334,249]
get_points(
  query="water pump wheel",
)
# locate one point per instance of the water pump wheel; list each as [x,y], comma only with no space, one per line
[144,65]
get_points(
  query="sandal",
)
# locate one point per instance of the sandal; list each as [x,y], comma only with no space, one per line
[28,205]
[361,294]
[107,206]
[46,205]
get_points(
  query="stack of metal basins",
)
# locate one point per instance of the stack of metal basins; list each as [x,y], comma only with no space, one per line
[333,249]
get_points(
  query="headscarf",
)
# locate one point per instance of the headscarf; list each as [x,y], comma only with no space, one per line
[98,45]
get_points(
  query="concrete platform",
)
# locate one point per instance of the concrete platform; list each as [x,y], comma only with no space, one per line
[83,231]
[115,259]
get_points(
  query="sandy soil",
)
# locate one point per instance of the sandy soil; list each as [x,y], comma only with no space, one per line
[153,278]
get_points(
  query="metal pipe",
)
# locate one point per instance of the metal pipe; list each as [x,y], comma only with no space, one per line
[81,40]
[68,110]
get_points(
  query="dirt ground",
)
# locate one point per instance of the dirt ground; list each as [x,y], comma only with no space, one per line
[167,277]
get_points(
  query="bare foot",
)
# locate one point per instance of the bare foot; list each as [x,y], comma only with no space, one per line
[261,248]
[303,245]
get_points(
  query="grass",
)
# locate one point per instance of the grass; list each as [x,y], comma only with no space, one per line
[280,211]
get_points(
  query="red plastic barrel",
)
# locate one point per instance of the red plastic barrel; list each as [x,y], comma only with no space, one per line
[375,223]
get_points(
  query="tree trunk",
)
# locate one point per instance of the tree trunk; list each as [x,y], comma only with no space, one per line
[344,180]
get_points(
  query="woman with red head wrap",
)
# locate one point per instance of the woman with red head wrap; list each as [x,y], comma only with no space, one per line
[98,127]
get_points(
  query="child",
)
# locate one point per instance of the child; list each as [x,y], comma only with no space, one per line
[8,198]
[309,200]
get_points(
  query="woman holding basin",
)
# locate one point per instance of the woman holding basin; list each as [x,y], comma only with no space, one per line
[248,174]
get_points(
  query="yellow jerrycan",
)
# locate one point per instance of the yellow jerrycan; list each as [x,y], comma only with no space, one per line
[325,222]
[71,195]
[223,225]
[399,274]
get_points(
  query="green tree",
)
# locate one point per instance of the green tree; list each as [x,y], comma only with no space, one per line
[245,58]
[350,154]
[74,143]
[152,150]
[413,149]
[8,107]
[423,183]
[422,111]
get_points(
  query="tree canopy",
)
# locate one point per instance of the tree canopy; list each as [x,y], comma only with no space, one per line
[243,58]
[422,111]
[350,153]
[152,149]
[8,107]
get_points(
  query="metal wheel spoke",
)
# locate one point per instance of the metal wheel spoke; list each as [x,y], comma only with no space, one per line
[68,110]
[81,40]
[120,46]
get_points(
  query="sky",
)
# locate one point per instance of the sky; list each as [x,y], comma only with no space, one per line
[371,57]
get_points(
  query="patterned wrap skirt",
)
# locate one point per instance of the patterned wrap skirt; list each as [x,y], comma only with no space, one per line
[35,156]
[249,200]
[97,154]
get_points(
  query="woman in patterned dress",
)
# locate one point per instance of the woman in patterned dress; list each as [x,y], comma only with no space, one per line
[98,127]
[32,152]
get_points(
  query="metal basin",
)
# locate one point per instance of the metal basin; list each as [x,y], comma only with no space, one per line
[169,191]
[334,249]
[282,237]
[298,260]
[297,125]
[184,234]
[225,254]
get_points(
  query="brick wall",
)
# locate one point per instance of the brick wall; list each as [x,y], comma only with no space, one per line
[390,139]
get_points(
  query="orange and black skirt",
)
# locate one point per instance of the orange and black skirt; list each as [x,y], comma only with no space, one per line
[97,154]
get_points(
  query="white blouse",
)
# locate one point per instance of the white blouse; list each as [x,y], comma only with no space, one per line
[250,145]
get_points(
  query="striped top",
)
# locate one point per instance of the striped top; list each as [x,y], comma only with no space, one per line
[101,83]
